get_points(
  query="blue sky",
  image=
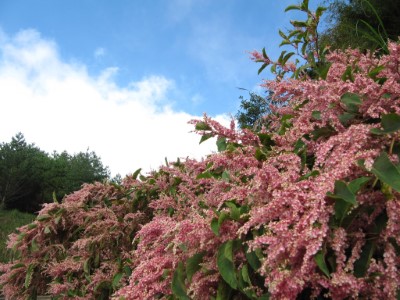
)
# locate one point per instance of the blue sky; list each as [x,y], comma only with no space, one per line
[123,77]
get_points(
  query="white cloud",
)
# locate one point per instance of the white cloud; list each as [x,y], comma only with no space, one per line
[59,106]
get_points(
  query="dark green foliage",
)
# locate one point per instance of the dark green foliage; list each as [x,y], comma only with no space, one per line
[252,110]
[362,24]
[30,176]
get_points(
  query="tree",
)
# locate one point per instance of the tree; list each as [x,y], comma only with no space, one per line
[29,176]
[252,110]
[362,24]
[22,174]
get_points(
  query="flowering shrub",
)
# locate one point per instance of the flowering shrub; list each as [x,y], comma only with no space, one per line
[308,207]
[79,248]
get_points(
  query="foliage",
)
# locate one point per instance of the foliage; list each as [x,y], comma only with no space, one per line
[253,110]
[362,24]
[9,220]
[79,248]
[306,207]
[29,176]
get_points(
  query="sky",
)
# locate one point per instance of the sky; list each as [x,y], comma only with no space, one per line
[122,78]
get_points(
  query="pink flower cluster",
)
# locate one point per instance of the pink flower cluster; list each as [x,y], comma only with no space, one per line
[296,210]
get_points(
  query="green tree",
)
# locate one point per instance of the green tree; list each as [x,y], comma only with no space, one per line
[30,176]
[363,24]
[252,110]
[22,172]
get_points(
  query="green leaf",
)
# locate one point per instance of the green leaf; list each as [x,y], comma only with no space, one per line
[47,230]
[292,7]
[342,191]
[319,11]
[29,274]
[202,126]
[136,173]
[86,266]
[356,184]
[326,131]
[221,144]
[193,265]
[43,218]
[262,68]
[320,260]
[116,280]
[345,118]
[225,176]
[310,174]
[225,264]
[235,212]
[390,123]
[34,245]
[266,140]
[386,171]
[362,264]
[205,137]
[316,115]
[253,260]
[204,175]
[375,71]
[178,285]
[215,226]
[351,101]
[224,291]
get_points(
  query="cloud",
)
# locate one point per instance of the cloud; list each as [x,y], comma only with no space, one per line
[57,105]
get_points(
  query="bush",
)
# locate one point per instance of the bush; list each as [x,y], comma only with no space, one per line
[307,207]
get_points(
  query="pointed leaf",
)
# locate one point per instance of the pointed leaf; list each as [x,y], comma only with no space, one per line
[390,123]
[205,137]
[320,260]
[342,191]
[225,264]
[193,265]
[352,102]
[178,286]
[386,171]
[221,144]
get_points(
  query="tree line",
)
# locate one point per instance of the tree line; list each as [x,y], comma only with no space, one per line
[30,177]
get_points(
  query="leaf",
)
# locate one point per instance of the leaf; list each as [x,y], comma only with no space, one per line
[116,279]
[266,140]
[390,123]
[204,175]
[361,265]
[225,176]
[202,126]
[320,260]
[292,7]
[43,218]
[221,144]
[262,68]
[345,118]
[136,173]
[310,174]
[34,245]
[86,266]
[178,287]
[253,260]
[352,102]
[225,264]
[356,184]
[205,137]
[224,291]
[375,71]
[343,192]
[215,226]
[193,265]
[29,274]
[316,115]
[326,131]
[235,212]
[386,171]
[47,230]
